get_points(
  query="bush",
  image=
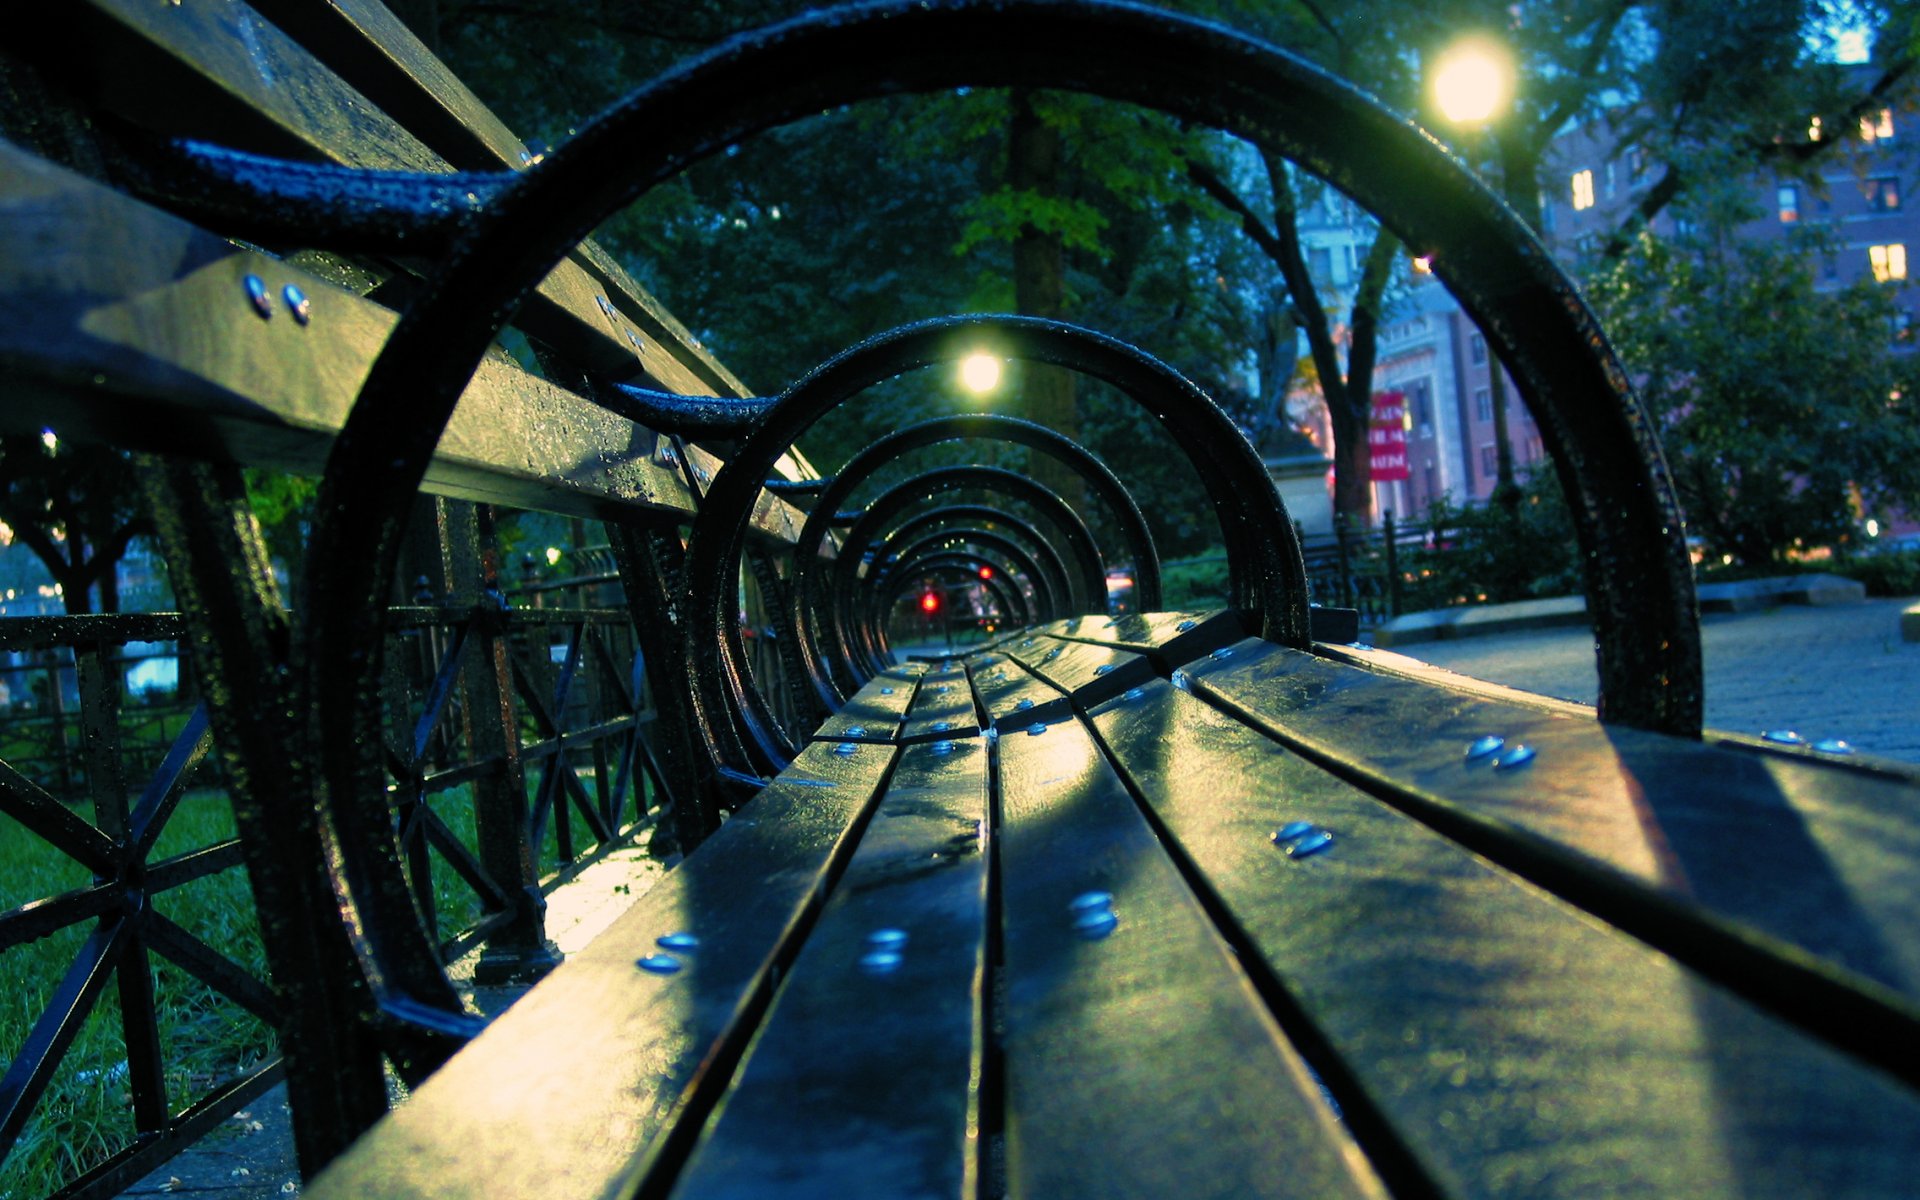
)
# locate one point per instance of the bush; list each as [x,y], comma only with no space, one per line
[1494,553]
[1884,574]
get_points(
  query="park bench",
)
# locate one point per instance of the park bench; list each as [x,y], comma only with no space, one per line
[1210,903]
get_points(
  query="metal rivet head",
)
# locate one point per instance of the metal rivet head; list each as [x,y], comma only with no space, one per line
[1483,747]
[1783,737]
[1513,756]
[942,748]
[634,338]
[1133,693]
[887,939]
[845,749]
[1833,746]
[1222,652]
[605,305]
[1292,831]
[1090,902]
[1036,729]
[677,941]
[658,964]
[297,303]
[856,731]
[1183,681]
[1050,655]
[880,962]
[1095,925]
[1023,705]
[942,726]
[256,289]
[1028,642]
[1103,669]
[1311,844]
[886,691]
[1185,625]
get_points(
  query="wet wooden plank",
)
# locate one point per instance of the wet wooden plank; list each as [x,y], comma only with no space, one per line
[121,323]
[1166,639]
[874,713]
[864,1079]
[1507,1043]
[1090,674]
[1139,1061]
[942,708]
[219,71]
[579,1085]
[1012,698]
[1792,877]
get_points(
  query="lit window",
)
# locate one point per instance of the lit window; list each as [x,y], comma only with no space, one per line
[1483,404]
[1582,189]
[1889,261]
[1882,193]
[1877,127]
[1787,197]
[1477,347]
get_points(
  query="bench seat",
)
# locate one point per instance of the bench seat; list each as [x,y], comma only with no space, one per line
[1214,917]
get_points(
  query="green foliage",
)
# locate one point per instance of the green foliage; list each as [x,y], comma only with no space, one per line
[1782,407]
[1195,583]
[1494,553]
[1884,574]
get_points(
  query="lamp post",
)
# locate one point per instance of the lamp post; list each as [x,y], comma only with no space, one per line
[1472,86]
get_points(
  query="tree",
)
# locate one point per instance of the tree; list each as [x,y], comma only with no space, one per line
[1783,409]
[75,508]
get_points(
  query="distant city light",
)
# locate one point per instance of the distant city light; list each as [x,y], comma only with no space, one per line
[980,373]
[1423,265]
[1873,527]
[1472,80]
[48,440]
[553,555]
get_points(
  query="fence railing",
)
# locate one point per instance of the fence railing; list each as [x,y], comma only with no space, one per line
[517,750]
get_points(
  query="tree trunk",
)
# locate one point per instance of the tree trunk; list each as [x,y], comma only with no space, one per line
[1040,286]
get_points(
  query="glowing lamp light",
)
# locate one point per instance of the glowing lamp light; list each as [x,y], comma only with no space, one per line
[1472,81]
[980,373]
[1423,265]
[986,572]
[553,555]
[929,602]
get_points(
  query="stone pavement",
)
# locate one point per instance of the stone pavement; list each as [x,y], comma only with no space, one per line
[1838,671]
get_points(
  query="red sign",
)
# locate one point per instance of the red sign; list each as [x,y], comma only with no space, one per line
[1387,437]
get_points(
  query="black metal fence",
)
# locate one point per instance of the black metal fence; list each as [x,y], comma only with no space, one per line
[516,743]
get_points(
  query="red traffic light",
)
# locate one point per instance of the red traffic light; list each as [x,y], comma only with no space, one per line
[986,572]
[929,602]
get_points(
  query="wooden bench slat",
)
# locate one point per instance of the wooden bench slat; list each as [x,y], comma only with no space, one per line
[220,71]
[581,1082]
[876,710]
[1012,698]
[148,341]
[942,708]
[1140,1064]
[1821,861]
[1090,674]
[863,1080]
[1167,639]
[1518,1047]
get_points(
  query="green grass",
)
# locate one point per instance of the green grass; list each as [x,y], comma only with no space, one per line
[85,1114]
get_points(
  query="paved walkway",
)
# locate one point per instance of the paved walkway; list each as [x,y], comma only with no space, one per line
[1828,672]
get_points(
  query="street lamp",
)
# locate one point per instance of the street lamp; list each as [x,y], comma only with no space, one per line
[1472,81]
[980,373]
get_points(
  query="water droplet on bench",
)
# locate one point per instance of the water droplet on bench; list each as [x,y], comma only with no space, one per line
[1833,746]
[677,941]
[1485,746]
[659,964]
[1783,737]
